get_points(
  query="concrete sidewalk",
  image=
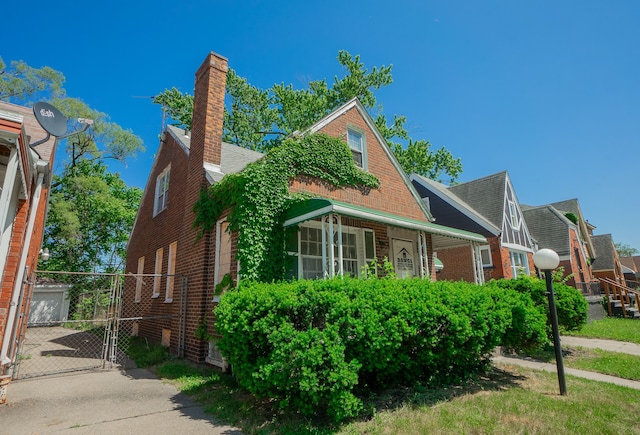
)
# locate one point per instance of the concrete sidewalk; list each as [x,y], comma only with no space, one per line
[103,402]
[609,345]
[595,343]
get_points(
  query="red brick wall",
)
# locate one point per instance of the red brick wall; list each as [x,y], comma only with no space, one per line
[458,264]
[393,196]
[195,255]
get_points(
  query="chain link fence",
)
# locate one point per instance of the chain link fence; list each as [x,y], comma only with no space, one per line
[82,321]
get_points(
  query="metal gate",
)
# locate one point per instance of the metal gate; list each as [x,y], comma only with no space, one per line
[98,320]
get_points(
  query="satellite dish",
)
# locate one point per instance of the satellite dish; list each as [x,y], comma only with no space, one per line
[50,118]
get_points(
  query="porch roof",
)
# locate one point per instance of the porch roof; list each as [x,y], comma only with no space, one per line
[442,236]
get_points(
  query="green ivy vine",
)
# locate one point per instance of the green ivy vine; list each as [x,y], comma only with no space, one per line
[259,196]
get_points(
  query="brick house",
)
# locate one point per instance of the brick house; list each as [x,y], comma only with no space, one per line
[487,206]
[25,179]
[607,262]
[340,230]
[561,232]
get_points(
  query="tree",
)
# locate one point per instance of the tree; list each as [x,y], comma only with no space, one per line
[625,250]
[91,215]
[19,81]
[259,119]
[91,209]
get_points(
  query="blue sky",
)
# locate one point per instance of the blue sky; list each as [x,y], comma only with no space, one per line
[547,90]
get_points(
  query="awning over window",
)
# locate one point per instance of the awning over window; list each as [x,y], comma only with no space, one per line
[443,236]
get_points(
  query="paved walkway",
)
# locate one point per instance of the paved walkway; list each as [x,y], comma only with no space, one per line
[103,402]
[610,345]
[594,343]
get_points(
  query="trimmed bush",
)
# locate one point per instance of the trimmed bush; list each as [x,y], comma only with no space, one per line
[571,305]
[315,345]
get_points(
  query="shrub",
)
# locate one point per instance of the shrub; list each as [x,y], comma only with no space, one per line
[571,306]
[314,345]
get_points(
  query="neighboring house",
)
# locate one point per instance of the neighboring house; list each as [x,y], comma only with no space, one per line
[488,206]
[633,266]
[25,179]
[607,263]
[571,208]
[340,230]
[552,229]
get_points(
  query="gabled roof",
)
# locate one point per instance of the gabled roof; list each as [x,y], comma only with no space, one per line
[549,227]
[605,258]
[355,103]
[233,158]
[448,209]
[485,195]
[585,228]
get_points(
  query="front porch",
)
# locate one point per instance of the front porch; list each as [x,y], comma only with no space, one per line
[337,239]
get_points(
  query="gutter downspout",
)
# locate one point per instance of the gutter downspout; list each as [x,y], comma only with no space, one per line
[9,333]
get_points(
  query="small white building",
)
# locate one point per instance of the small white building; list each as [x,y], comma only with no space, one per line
[50,303]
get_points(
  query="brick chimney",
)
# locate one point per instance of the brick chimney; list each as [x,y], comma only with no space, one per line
[208,112]
[195,255]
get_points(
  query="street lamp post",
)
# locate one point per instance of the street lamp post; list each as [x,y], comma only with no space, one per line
[547,260]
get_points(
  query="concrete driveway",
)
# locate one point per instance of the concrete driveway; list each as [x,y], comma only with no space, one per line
[103,402]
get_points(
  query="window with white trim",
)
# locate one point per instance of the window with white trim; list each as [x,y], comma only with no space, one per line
[358,249]
[513,215]
[519,263]
[171,270]
[311,252]
[356,142]
[485,255]
[157,273]
[162,191]
[139,280]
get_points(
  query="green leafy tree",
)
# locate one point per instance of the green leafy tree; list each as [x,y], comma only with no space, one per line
[625,250]
[19,81]
[260,119]
[91,209]
[91,215]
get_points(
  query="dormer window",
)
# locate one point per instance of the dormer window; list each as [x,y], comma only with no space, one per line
[356,142]
[162,191]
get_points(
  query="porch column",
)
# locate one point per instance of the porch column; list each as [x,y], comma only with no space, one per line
[325,269]
[340,262]
[478,274]
[424,255]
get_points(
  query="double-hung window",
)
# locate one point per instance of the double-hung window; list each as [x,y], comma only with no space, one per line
[519,264]
[485,255]
[358,250]
[311,252]
[162,191]
[357,144]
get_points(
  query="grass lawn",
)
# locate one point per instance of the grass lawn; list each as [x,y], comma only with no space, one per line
[508,399]
[595,360]
[611,328]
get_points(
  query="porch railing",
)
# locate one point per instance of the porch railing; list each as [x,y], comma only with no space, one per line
[627,298]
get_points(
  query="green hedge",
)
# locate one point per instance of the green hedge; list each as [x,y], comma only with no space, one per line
[315,345]
[571,305]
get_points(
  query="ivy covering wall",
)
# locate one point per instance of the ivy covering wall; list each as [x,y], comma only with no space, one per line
[259,196]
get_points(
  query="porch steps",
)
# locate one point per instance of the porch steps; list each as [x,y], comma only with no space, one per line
[622,301]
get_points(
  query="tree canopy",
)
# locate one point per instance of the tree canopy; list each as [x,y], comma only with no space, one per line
[91,209]
[260,119]
[625,250]
[91,215]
